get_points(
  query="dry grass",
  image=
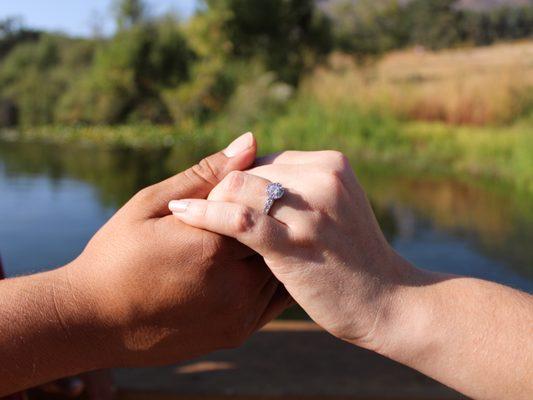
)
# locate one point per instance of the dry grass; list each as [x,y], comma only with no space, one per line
[336,108]
[468,86]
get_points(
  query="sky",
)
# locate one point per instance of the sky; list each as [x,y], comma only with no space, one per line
[79,17]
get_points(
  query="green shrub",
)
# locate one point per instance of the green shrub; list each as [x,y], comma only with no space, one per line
[128,75]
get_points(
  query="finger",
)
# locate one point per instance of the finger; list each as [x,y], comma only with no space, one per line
[240,187]
[199,180]
[306,184]
[279,302]
[285,157]
[213,245]
[288,175]
[252,228]
[329,157]
[299,177]
[251,190]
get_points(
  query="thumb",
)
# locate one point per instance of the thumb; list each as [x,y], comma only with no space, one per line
[198,180]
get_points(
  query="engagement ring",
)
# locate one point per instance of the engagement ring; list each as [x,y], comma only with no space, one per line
[274,192]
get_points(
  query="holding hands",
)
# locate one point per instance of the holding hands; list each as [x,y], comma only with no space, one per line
[153,288]
[321,239]
[148,289]
[170,291]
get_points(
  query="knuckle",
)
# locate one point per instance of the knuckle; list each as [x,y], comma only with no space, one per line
[234,181]
[146,195]
[243,220]
[336,159]
[306,239]
[332,180]
[315,225]
[205,171]
[322,219]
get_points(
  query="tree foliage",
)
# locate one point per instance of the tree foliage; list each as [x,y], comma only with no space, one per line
[127,75]
[129,13]
[13,33]
[375,26]
[163,70]
[287,35]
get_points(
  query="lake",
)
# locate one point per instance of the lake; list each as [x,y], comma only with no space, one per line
[54,197]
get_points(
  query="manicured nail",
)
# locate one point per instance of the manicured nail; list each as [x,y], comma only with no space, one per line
[242,143]
[178,206]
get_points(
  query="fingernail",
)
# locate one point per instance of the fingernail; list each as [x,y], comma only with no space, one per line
[178,206]
[242,143]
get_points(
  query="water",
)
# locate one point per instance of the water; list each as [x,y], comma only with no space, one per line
[53,199]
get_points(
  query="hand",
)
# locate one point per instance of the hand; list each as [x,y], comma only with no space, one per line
[165,291]
[323,243]
[321,239]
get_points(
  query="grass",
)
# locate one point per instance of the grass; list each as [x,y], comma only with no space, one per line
[504,153]
[474,86]
[135,136]
[464,112]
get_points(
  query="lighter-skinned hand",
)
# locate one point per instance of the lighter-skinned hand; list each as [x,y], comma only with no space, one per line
[321,239]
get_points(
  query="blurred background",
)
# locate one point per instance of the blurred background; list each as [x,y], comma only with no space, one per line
[432,100]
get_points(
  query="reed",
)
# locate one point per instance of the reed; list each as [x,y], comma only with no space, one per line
[464,112]
[475,86]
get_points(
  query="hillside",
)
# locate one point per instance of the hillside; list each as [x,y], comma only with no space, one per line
[488,4]
[478,5]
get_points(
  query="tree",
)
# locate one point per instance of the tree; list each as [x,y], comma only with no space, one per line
[368,27]
[129,13]
[128,74]
[435,24]
[12,33]
[287,35]
[30,80]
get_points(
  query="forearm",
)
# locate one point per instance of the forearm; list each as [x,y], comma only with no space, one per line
[472,335]
[46,331]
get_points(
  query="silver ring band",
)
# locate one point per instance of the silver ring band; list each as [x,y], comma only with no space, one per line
[274,192]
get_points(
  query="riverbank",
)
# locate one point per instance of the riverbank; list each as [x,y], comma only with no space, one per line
[504,153]
[464,112]
[86,184]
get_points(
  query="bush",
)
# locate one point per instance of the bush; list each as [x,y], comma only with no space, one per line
[12,33]
[235,57]
[28,78]
[371,27]
[288,36]
[128,74]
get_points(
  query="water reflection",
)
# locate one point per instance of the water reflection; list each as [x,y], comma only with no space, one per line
[494,220]
[463,227]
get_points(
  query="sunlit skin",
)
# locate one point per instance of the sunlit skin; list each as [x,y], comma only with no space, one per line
[152,288]
[322,241]
[148,289]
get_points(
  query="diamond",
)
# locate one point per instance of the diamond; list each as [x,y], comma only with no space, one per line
[275,191]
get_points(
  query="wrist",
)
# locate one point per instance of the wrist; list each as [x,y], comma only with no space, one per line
[49,328]
[403,330]
[365,318]
[79,313]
